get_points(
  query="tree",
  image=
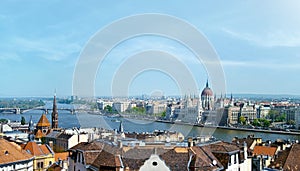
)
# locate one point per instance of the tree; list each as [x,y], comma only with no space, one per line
[243,120]
[163,114]
[256,122]
[3,120]
[291,122]
[138,110]
[266,123]
[23,121]
[108,109]
[280,118]
[273,114]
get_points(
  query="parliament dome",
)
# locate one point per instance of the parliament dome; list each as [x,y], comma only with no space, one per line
[207,91]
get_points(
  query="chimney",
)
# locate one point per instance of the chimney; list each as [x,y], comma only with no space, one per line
[51,145]
[190,142]
[60,162]
[120,144]
[245,150]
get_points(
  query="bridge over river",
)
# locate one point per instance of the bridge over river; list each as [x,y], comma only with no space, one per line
[46,110]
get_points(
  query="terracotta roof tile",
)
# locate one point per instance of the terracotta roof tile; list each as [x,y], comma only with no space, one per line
[39,134]
[203,159]
[293,159]
[11,152]
[36,150]
[135,157]
[106,159]
[176,161]
[222,151]
[90,156]
[54,167]
[264,150]
[43,122]
[223,147]
[61,156]
[86,146]
[281,159]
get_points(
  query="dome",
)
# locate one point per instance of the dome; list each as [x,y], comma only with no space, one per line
[207,91]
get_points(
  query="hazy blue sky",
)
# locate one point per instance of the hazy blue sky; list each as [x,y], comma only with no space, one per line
[258,43]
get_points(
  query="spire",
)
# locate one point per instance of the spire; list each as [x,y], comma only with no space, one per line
[30,130]
[121,129]
[207,83]
[30,126]
[54,113]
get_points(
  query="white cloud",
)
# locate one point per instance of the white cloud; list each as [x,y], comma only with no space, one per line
[268,39]
[260,64]
[54,49]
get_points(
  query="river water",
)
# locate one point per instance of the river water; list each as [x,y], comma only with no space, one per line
[68,120]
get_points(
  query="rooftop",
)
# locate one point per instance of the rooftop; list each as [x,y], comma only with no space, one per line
[43,122]
[265,150]
[37,149]
[11,152]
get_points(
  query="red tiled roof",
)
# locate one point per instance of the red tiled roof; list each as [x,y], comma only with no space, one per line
[11,152]
[264,150]
[43,122]
[61,156]
[39,134]
[36,150]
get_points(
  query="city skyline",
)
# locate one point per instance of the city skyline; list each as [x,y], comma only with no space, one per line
[258,44]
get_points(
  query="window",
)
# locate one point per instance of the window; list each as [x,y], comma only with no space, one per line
[40,165]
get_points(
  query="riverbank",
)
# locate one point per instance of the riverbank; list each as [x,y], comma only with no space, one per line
[234,128]
[259,130]
[143,118]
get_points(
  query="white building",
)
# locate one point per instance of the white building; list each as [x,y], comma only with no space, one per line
[102,104]
[155,108]
[121,106]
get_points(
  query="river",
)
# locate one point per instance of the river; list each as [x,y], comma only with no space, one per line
[68,120]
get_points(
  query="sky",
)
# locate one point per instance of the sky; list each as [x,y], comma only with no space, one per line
[257,42]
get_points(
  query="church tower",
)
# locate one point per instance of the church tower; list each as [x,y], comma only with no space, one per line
[54,114]
[30,130]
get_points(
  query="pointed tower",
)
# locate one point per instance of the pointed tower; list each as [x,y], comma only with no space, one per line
[121,128]
[231,100]
[42,127]
[54,114]
[30,130]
